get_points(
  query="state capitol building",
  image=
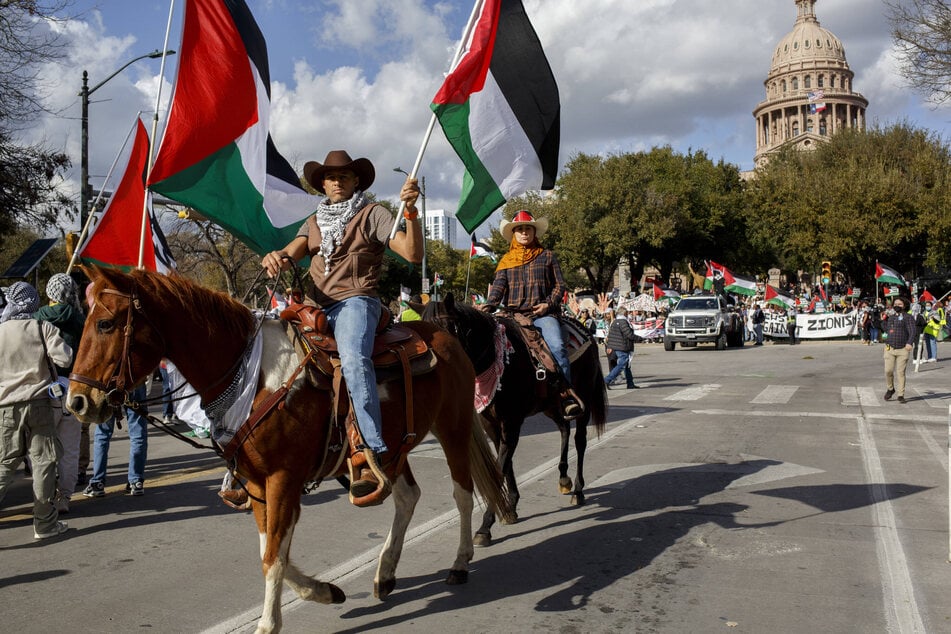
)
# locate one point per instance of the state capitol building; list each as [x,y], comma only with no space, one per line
[809,94]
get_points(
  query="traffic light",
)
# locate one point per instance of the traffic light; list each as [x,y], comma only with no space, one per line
[826,272]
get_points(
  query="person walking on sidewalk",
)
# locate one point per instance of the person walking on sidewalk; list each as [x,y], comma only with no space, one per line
[620,341]
[900,332]
[29,350]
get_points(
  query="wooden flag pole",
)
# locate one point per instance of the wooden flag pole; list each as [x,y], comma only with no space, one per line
[432,119]
[155,118]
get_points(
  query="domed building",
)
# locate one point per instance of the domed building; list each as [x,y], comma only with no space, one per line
[809,94]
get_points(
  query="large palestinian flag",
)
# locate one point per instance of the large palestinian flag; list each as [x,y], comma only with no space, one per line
[114,240]
[217,155]
[738,284]
[500,111]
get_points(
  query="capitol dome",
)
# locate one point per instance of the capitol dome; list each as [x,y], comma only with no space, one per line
[809,92]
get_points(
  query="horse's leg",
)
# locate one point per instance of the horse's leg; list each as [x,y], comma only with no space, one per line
[581,444]
[276,528]
[405,496]
[462,494]
[564,428]
[511,433]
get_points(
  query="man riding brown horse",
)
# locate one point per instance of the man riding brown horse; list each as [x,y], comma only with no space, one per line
[346,238]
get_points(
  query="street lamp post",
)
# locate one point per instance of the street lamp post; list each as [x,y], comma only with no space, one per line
[84,188]
[422,194]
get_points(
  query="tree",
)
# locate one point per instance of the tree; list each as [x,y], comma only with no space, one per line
[29,174]
[922,33]
[880,194]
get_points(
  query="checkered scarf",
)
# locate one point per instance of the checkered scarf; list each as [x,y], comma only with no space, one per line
[22,302]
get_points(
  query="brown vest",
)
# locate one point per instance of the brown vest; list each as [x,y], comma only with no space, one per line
[354,266]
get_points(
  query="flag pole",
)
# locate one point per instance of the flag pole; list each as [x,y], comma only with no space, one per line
[469,266]
[80,243]
[155,118]
[432,119]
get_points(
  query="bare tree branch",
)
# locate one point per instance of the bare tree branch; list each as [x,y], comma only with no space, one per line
[922,33]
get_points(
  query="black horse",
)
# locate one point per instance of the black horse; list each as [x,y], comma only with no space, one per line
[522,394]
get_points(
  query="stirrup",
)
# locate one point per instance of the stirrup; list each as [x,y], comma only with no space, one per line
[369,485]
[570,405]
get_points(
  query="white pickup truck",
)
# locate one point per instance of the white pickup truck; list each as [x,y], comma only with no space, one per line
[703,319]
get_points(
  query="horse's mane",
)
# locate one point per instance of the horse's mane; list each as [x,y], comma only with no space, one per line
[193,302]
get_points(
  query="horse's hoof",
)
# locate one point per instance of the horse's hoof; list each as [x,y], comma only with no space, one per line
[577,499]
[382,589]
[482,540]
[336,594]
[564,485]
[457,577]
[508,520]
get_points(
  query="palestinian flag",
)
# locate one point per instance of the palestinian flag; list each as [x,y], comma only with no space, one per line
[886,274]
[665,293]
[926,296]
[714,271]
[114,240]
[481,250]
[739,285]
[217,155]
[500,111]
[779,298]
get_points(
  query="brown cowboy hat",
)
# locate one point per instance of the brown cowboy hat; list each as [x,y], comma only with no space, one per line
[339,160]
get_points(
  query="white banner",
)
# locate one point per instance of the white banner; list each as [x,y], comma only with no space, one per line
[824,326]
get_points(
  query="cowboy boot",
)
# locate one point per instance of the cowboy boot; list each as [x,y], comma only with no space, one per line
[571,405]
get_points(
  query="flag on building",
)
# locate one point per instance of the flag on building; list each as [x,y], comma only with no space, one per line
[481,250]
[887,274]
[816,95]
[500,111]
[714,271]
[817,107]
[738,284]
[114,240]
[779,298]
[926,296]
[665,293]
[217,155]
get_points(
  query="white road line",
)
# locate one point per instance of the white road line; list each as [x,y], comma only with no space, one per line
[693,393]
[854,396]
[938,399]
[910,418]
[901,608]
[776,394]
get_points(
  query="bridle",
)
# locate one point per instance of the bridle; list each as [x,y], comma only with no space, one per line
[118,387]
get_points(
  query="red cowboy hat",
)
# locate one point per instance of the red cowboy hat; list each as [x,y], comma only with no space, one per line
[339,160]
[521,219]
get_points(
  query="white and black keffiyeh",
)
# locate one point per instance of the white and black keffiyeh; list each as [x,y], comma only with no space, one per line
[332,220]
[22,302]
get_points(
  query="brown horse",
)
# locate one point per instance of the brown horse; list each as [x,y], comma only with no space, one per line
[520,394]
[137,319]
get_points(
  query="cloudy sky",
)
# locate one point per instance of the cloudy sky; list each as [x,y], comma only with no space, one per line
[360,74]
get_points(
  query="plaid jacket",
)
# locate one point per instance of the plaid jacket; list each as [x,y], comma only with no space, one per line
[522,287]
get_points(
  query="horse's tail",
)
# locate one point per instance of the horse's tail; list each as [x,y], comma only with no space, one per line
[487,473]
[598,405]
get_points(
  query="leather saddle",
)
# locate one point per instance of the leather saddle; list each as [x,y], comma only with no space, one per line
[394,346]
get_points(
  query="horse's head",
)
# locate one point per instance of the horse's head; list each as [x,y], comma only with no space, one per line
[120,345]
[474,328]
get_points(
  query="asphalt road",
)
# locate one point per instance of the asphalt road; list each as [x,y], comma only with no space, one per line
[766,489]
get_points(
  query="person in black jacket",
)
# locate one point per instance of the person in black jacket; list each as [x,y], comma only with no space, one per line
[620,341]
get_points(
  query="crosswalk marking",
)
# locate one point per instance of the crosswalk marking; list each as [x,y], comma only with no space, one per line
[864,396]
[776,394]
[693,393]
[938,399]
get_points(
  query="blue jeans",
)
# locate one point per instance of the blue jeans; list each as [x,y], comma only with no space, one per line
[168,410]
[550,328]
[931,346]
[138,443]
[758,332]
[353,322]
[622,361]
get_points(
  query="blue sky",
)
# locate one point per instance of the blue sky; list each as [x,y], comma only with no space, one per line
[360,74]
